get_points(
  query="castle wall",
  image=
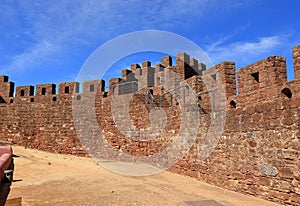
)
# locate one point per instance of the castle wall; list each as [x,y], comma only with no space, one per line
[257,153]
[259,150]
[6,90]
[296,56]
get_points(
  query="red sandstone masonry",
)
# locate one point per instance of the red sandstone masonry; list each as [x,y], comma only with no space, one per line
[296,55]
[258,153]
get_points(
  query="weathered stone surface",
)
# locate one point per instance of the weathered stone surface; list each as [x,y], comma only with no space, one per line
[268,170]
[258,152]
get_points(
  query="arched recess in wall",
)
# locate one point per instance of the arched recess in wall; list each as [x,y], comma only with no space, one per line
[232,104]
[78,97]
[151,91]
[286,92]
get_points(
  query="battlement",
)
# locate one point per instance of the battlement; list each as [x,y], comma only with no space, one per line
[45,89]
[253,78]
[257,153]
[6,89]
[92,85]
[166,61]
[3,79]
[24,91]
[296,56]
[265,73]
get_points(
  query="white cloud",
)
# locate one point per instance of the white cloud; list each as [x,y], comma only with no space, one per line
[50,25]
[32,56]
[244,51]
[66,27]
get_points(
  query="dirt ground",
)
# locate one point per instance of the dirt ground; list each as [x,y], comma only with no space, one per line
[53,179]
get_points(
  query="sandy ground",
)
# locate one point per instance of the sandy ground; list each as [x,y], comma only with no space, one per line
[53,179]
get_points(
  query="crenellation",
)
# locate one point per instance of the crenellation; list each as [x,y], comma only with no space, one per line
[146,64]
[194,64]
[158,75]
[24,91]
[113,83]
[125,73]
[275,71]
[134,67]
[94,86]
[296,56]
[6,89]
[201,68]
[184,67]
[3,78]
[146,77]
[166,61]
[159,68]
[45,89]
[68,88]
[261,75]
[182,61]
[258,148]
[227,70]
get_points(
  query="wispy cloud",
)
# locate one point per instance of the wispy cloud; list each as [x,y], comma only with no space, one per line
[47,35]
[52,25]
[33,55]
[243,52]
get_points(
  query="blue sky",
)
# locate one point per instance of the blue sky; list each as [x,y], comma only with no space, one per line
[47,41]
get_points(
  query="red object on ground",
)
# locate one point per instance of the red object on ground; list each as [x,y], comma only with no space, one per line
[5,159]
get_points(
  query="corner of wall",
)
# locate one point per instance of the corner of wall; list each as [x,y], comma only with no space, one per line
[296,56]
